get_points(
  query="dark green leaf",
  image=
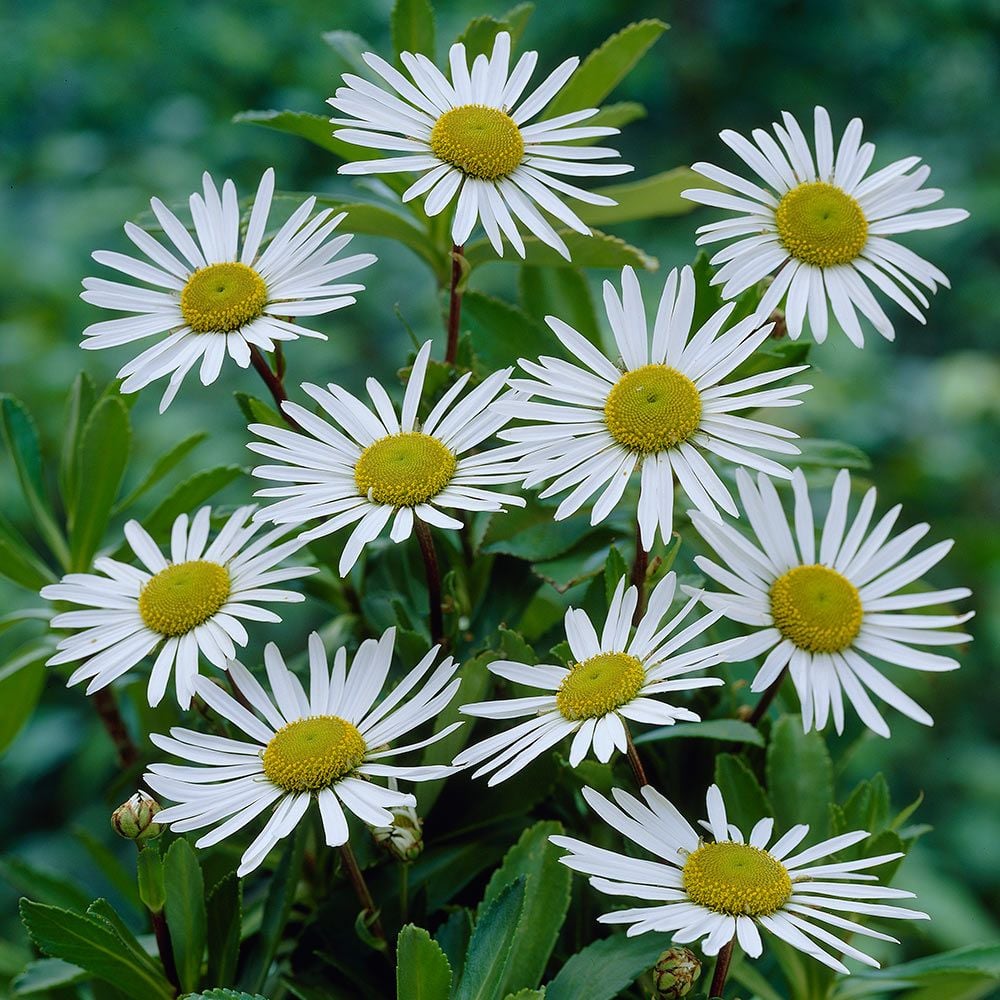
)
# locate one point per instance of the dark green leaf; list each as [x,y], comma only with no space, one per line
[412,23]
[606,67]
[187,496]
[502,333]
[564,293]
[224,994]
[530,533]
[47,974]
[163,465]
[149,877]
[20,690]
[256,411]
[602,970]
[516,20]
[18,562]
[726,730]
[224,909]
[598,250]
[614,569]
[422,971]
[799,777]
[490,946]
[104,445]
[745,799]
[314,128]
[479,35]
[107,861]
[453,937]
[78,406]
[185,911]
[46,886]
[650,198]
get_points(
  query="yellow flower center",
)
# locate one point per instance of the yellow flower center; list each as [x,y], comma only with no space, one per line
[184,595]
[736,879]
[482,142]
[313,753]
[817,608]
[599,685]
[652,408]
[404,469]
[821,225]
[221,298]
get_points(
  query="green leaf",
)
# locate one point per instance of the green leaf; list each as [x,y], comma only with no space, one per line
[832,454]
[257,411]
[47,974]
[78,407]
[93,943]
[112,868]
[21,437]
[606,67]
[598,250]
[18,562]
[745,799]
[616,115]
[223,994]
[602,970]
[565,293]
[314,128]
[350,47]
[224,909]
[516,20]
[453,937]
[479,35]
[502,333]
[185,911]
[163,465]
[490,946]
[412,24]
[422,971]
[527,994]
[728,730]
[46,886]
[614,569]
[20,691]
[530,533]
[149,877]
[546,900]
[187,496]
[653,197]
[104,445]
[799,777]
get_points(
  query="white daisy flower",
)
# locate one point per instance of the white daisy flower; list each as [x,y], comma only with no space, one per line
[823,226]
[730,886]
[328,745]
[208,298]
[188,605]
[381,467]
[825,612]
[659,408]
[470,138]
[616,678]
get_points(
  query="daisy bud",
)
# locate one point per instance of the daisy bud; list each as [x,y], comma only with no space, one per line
[133,819]
[675,973]
[404,839]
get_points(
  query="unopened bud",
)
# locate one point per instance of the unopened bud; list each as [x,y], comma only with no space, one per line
[133,819]
[675,973]
[404,839]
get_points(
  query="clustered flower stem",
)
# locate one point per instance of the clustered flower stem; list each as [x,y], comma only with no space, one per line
[274,383]
[721,969]
[107,708]
[363,893]
[638,578]
[633,758]
[766,698]
[454,305]
[423,533]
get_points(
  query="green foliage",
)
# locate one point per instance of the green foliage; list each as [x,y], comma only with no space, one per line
[491,944]
[412,24]
[185,911]
[422,971]
[799,777]
[223,994]
[599,250]
[650,198]
[724,730]
[224,915]
[745,799]
[605,968]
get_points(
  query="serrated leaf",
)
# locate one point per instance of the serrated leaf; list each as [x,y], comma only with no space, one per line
[745,799]
[546,900]
[453,937]
[185,911]
[490,946]
[412,25]
[727,730]
[161,467]
[527,994]
[653,197]
[799,777]
[831,454]
[599,250]
[606,67]
[422,970]
[602,970]
[104,445]
[564,293]
[224,910]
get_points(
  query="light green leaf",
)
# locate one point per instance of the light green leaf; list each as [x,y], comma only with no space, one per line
[163,465]
[422,971]
[93,943]
[47,974]
[224,909]
[314,128]
[650,198]
[799,777]
[564,293]
[185,911]
[149,877]
[602,970]
[104,445]
[257,411]
[598,250]
[412,24]
[490,946]
[606,67]
[745,799]
[546,900]
[616,115]
[728,730]
[832,454]
[78,407]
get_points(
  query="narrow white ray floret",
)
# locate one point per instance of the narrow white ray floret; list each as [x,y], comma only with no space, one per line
[376,466]
[660,405]
[474,142]
[730,887]
[205,298]
[822,226]
[328,745]
[188,605]
[826,610]
[617,677]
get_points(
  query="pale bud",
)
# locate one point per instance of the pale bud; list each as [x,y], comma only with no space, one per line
[404,839]
[133,819]
[675,973]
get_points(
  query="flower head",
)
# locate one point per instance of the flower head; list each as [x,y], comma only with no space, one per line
[822,227]
[823,612]
[187,606]
[471,137]
[730,886]
[327,746]
[657,406]
[209,299]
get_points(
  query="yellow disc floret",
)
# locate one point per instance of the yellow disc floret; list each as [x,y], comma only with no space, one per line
[652,408]
[736,879]
[817,608]
[482,142]
[184,595]
[310,754]
[599,685]
[404,469]
[224,297]
[820,224]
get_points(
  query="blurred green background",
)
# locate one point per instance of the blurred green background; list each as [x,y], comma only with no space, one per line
[106,104]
